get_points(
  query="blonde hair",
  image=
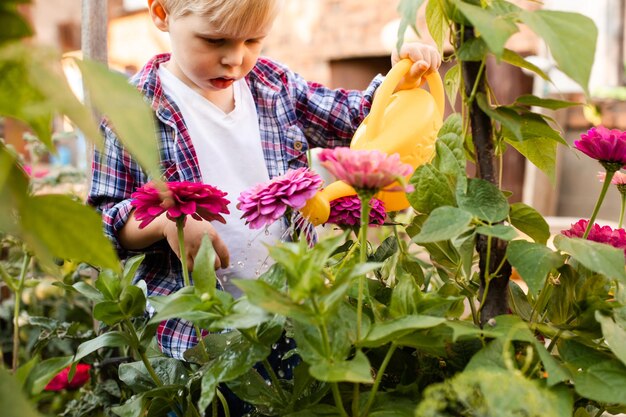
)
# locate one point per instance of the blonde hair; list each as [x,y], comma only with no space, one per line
[227,16]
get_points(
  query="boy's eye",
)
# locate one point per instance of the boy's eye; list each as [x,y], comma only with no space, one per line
[213,41]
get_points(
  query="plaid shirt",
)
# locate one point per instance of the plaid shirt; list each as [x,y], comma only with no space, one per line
[293,115]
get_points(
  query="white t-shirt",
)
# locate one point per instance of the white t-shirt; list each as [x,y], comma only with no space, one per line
[228,147]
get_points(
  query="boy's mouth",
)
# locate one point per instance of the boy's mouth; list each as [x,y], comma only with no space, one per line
[222,82]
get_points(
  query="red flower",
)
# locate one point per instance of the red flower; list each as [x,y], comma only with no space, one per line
[600,234]
[265,203]
[201,201]
[60,381]
[346,211]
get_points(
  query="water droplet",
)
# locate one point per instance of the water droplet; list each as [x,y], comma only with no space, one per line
[267,232]
[274,346]
[240,264]
[269,383]
[228,342]
[281,373]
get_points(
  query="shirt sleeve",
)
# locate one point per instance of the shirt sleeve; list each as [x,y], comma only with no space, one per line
[115,175]
[329,117]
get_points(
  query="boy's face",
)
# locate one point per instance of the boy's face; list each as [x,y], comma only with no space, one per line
[208,61]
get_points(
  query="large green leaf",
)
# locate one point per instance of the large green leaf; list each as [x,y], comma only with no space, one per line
[407,9]
[501,231]
[484,200]
[14,25]
[383,333]
[444,223]
[432,189]
[614,335]
[43,373]
[132,118]
[204,278]
[547,103]
[495,29]
[356,370]
[437,23]
[540,151]
[516,59]
[571,38]
[598,257]
[14,403]
[529,221]
[533,262]
[109,339]
[13,191]
[604,382]
[59,226]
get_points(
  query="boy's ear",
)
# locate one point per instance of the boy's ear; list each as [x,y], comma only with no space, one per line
[158,14]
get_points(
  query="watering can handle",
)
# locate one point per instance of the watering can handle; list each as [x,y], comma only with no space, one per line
[385,90]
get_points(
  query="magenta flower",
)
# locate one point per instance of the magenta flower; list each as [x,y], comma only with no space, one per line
[265,203]
[201,201]
[346,211]
[608,146]
[597,233]
[363,169]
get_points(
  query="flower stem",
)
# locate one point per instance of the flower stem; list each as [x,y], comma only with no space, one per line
[223,401]
[180,225]
[621,212]
[130,329]
[379,377]
[275,380]
[16,313]
[365,212]
[596,209]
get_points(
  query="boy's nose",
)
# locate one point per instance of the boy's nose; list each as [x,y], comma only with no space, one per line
[233,56]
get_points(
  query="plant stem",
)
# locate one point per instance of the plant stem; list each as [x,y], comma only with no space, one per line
[596,209]
[16,313]
[600,412]
[130,329]
[275,380]
[326,341]
[180,225]
[365,212]
[223,401]
[621,212]
[379,377]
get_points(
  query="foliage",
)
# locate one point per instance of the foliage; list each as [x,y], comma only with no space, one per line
[419,347]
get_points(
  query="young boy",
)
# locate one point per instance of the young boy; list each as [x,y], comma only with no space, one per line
[228,118]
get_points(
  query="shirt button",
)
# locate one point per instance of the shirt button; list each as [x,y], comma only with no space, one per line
[297,145]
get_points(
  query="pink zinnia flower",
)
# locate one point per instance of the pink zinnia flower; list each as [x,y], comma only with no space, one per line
[346,211]
[201,201]
[608,146]
[265,203]
[363,169]
[600,234]
[60,381]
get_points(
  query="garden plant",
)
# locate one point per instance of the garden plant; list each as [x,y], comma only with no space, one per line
[392,314]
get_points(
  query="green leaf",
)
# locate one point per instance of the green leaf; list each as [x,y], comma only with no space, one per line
[494,29]
[604,382]
[516,59]
[505,115]
[443,223]
[132,302]
[109,339]
[407,9]
[452,82]
[541,152]
[76,232]
[529,221]
[170,372]
[123,105]
[13,24]
[500,231]
[44,372]
[547,103]
[484,200]
[533,262]
[130,268]
[598,257]
[204,278]
[571,38]
[109,285]
[579,355]
[472,50]
[234,361]
[437,23]
[432,189]
[264,295]
[355,370]
[88,291]
[382,333]
[14,403]
[614,335]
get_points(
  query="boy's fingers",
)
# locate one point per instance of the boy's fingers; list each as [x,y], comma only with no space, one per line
[223,256]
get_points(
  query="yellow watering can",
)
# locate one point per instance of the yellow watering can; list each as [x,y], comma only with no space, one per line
[405,122]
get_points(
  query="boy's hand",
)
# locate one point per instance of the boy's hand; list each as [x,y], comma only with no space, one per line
[426,59]
[194,231]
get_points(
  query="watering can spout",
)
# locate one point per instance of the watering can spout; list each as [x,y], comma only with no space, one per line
[405,122]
